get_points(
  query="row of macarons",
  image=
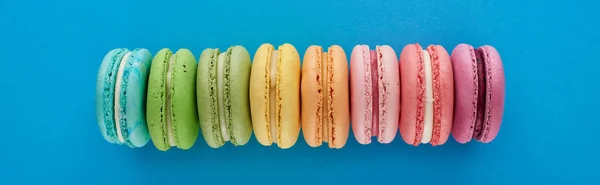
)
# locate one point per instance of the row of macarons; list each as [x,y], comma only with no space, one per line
[424,93]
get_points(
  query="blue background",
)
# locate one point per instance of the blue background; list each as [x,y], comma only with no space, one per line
[51,52]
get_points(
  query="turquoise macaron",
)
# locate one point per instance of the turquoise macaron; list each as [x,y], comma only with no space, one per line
[121,96]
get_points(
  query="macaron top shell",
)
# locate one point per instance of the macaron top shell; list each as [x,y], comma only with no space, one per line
[234,80]
[389,93]
[480,93]
[443,94]
[240,121]
[375,93]
[413,93]
[171,105]
[325,97]
[495,93]
[123,76]
[275,95]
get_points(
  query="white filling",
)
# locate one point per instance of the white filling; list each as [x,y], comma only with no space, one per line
[272,91]
[428,121]
[118,96]
[168,113]
[220,95]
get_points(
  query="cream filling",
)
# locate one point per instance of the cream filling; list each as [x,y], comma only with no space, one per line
[118,96]
[428,121]
[221,95]
[168,110]
[272,94]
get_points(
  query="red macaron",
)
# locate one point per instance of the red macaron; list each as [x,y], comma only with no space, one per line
[427,94]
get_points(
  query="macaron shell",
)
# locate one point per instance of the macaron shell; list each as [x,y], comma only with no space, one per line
[240,124]
[133,97]
[443,94]
[207,100]
[389,94]
[466,90]
[184,110]
[413,94]
[339,97]
[105,84]
[288,95]
[495,93]
[312,94]
[259,94]
[156,96]
[361,104]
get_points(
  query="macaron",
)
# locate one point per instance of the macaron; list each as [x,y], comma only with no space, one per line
[427,95]
[325,97]
[374,93]
[480,91]
[121,96]
[171,106]
[275,95]
[222,86]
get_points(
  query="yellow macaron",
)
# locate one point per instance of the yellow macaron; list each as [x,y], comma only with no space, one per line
[275,95]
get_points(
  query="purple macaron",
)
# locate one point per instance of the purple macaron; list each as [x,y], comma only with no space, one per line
[479,93]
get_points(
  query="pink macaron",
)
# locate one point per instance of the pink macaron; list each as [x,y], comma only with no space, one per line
[480,91]
[374,93]
[427,95]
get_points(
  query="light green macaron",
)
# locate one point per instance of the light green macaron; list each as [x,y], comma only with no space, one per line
[171,110]
[222,87]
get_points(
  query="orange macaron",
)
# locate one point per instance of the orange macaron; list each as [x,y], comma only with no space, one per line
[325,97]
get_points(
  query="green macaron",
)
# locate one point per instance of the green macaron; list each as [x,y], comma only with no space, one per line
[171,110]
[222,87]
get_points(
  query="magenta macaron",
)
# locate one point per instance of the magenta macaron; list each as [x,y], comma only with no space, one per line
[479,93]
